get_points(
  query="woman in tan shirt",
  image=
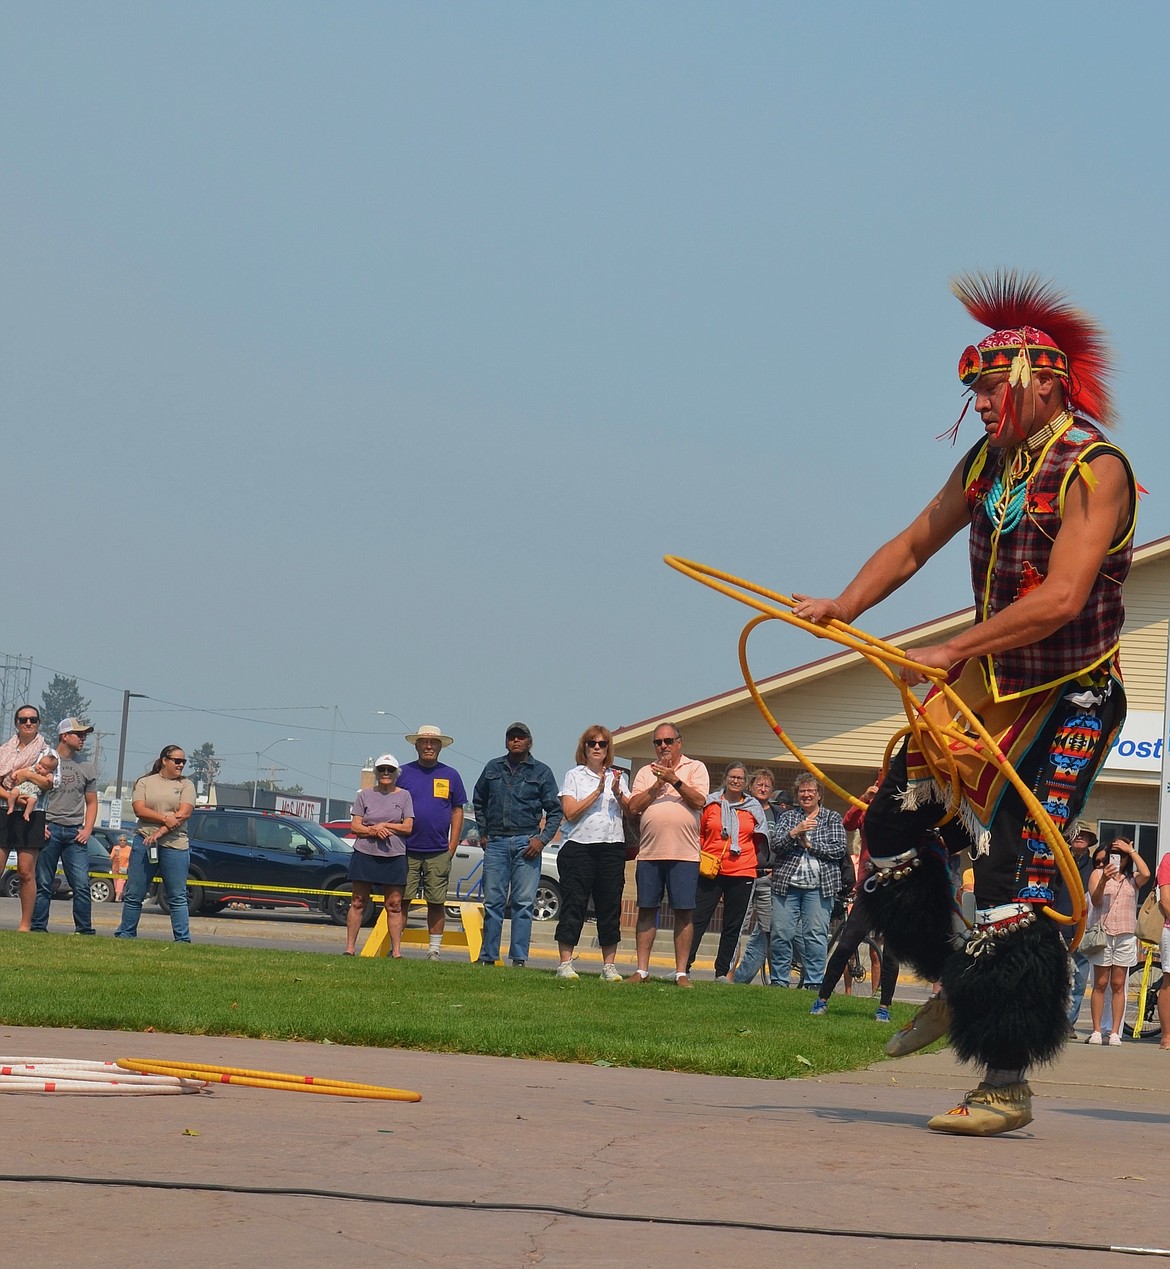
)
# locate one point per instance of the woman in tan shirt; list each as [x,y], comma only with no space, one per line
[163,801]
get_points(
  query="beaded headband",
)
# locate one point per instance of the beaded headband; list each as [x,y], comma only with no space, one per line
[1036,328]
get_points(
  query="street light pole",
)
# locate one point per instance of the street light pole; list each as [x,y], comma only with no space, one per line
[122,739]
[284,740]
[329,774]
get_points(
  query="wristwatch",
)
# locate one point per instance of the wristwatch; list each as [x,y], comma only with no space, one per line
[676,784]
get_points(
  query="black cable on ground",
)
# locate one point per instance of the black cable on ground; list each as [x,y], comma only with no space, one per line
[551,1209]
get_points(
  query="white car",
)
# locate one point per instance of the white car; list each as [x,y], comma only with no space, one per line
[467,875]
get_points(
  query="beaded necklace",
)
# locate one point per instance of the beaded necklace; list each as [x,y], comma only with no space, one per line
[1008,493]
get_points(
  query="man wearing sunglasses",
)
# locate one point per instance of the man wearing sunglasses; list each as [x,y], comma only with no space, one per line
[71,808]
[668,794]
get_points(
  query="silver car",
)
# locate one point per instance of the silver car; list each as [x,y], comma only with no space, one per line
[467,875]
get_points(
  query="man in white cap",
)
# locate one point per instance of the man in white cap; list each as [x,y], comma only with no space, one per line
[71,808]
[438,794]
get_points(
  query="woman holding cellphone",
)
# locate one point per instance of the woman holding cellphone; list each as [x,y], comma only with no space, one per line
[1118,875]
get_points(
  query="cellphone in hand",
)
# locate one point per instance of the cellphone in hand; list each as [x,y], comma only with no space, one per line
[1115,860]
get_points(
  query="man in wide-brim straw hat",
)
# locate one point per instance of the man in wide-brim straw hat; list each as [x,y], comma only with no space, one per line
[1049,504]
[438,795]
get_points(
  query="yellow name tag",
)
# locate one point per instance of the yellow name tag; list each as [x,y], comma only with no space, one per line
[442,789]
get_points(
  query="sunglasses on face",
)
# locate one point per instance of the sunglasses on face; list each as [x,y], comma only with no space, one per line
[595,744]
[21,722]
[179,762]
[385,770]
[670,740]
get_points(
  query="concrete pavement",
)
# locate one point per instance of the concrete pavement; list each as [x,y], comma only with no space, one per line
[840,1152]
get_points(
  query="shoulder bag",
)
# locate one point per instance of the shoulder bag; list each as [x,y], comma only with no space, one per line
[1150,921]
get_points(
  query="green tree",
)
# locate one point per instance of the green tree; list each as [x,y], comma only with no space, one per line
[61,699]
[203,766]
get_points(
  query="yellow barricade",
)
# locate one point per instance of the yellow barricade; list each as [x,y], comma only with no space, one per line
[471,936]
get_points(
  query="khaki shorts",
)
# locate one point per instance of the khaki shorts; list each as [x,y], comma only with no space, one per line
[429,873]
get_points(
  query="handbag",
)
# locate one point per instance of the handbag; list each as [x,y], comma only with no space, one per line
[1093,939]
[710,863]
[1150,921]
[631,834]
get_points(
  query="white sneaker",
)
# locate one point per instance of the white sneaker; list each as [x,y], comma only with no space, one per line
[433,954]
[565,970]
[610,974]
[1094,1038]
[1114,1040]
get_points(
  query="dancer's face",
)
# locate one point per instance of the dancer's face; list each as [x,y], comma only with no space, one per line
[1032,406]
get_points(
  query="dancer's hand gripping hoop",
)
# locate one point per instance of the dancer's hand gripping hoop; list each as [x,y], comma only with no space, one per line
[885,657]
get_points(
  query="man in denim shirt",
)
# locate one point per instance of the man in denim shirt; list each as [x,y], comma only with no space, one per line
[510,798]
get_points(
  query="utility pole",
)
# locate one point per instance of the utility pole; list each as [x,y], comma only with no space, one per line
[122,738]
[327,814]
[98,736]
[15,685]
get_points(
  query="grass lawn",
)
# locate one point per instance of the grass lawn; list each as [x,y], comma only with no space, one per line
[197,989]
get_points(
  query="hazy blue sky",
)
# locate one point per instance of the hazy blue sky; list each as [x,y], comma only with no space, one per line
[373,354]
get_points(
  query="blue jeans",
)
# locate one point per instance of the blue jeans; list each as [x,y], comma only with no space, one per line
[62,847]
[758,950]
[506,869]
[1080,968]
[172,867]
[759,942]
[811,911]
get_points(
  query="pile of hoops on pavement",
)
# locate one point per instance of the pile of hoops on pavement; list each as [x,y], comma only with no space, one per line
[138,1076]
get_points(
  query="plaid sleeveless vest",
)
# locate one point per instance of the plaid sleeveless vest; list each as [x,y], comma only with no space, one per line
[1009,561]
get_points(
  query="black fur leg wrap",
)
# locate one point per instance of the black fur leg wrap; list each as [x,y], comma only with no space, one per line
[913,914]
[1009,1004]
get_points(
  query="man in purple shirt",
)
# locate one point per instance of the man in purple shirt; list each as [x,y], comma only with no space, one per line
[438,795]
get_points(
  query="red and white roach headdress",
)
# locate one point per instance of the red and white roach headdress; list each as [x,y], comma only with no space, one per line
[1034,327]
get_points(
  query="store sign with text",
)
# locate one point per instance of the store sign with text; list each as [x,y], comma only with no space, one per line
[302,808]
[1141,743]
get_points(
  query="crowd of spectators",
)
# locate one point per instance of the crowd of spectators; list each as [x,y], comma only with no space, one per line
[778,863]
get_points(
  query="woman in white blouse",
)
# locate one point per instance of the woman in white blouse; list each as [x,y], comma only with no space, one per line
[592,862]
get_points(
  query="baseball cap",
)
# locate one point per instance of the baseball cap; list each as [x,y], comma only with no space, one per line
[517,729]
[386,760]
[74,724]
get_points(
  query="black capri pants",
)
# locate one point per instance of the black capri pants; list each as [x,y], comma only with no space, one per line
[597,871]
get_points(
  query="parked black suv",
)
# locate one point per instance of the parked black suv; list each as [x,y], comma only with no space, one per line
[244,848]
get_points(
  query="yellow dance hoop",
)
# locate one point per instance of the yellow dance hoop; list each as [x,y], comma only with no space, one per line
[887,658]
